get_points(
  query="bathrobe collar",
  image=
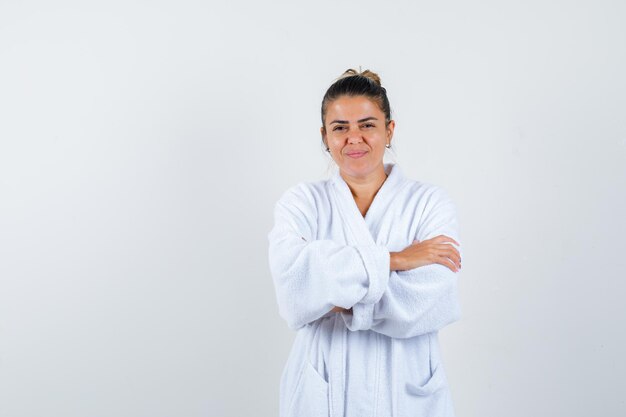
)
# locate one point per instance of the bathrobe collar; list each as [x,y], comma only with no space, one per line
[361,225]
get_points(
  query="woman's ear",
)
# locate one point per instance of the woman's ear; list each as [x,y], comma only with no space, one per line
[323,133]
[390,127]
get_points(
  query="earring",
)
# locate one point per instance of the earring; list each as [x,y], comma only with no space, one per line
[388,146]
[327,149]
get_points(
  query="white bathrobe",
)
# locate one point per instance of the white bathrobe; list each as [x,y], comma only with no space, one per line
[383,359]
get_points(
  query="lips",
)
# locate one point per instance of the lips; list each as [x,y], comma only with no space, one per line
[356,154]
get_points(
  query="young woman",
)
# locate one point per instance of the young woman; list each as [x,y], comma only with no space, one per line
[365,270]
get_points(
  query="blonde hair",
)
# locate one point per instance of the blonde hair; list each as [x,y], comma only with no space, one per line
[367,73]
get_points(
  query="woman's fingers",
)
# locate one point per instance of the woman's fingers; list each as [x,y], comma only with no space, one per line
[446,255]
[444,238]
[447,262]
[451,252]
[435,250]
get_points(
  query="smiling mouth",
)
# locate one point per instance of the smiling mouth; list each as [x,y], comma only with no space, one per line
[356,154]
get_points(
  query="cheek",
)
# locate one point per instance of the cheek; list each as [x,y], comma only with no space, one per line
[381,140]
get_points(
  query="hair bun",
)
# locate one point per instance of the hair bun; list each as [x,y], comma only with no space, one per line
[353,83]
[367,74]
[372,76]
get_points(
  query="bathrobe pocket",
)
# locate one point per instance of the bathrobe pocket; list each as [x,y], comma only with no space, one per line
[428,399]
[434,384]
[310,398]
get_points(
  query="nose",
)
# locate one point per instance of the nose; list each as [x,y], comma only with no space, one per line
[354,136]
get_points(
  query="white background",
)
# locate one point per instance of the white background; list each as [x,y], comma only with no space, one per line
[143,145]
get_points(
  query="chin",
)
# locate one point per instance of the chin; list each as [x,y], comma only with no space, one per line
[359,169]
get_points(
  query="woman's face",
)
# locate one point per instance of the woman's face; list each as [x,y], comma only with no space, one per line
[356,134]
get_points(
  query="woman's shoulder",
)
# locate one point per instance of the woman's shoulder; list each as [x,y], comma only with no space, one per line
[422,190]
[401,183]
[305,193]
[432,200]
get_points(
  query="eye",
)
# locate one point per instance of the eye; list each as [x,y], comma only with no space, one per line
[367,125]
[338,128]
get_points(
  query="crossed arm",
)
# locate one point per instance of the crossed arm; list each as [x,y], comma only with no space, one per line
[420,254]
[400,294]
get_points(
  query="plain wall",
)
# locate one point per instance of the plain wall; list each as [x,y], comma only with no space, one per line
[144,144]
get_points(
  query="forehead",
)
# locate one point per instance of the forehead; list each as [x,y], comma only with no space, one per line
[353,108]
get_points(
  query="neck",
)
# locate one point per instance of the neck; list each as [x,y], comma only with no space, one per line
[365,188]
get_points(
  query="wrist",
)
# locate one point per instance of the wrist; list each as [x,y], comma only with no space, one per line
[396,263]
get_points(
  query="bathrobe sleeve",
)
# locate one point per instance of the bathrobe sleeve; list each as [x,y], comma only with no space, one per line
[311,276]
[419,300]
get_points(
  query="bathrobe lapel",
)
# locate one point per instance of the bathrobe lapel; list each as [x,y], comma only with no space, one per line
[361,229]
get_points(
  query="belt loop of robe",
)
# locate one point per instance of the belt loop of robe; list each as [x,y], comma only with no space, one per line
[337,368]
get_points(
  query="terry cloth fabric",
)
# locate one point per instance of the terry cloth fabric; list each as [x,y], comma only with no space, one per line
[383,359]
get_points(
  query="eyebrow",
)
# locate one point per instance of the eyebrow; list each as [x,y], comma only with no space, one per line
[358,121]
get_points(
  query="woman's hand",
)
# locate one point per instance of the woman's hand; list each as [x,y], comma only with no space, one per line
[427,252]
[417,254]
